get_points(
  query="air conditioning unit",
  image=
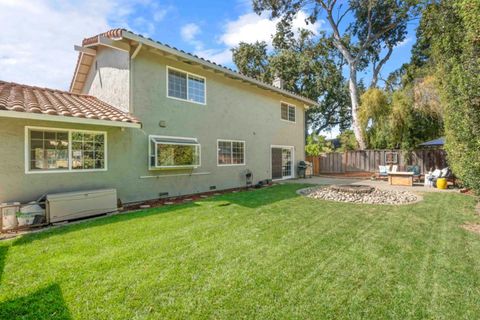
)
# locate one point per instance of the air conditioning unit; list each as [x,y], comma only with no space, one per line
[81,204]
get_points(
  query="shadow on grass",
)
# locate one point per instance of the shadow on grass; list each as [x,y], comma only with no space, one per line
[101,221]
[251,199]
[46,303]
[255,198]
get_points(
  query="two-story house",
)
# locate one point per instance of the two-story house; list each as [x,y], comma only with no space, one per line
[148,120]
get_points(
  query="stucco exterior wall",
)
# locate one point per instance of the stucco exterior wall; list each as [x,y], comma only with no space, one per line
[233,111]
[108,78]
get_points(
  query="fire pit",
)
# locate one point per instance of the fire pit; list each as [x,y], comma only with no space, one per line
[359,194]
[352,188]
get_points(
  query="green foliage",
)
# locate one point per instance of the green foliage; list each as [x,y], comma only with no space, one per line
[397,120]
[372,26]
[453,30]
[347,141]
[317,145]
[251,60]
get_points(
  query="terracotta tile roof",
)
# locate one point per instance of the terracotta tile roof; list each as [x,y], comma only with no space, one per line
[118,33]
[111,34]
[22,98]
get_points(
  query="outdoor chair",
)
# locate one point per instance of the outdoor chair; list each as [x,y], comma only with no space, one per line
[383,172]
[431,178]
[416,172]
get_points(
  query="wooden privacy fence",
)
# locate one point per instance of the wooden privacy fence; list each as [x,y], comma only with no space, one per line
[369,160]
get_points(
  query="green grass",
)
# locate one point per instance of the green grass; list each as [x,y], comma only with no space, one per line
[265,254]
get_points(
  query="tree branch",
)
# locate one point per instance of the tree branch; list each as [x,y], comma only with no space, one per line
[377,68]
[340,18]
[337,40]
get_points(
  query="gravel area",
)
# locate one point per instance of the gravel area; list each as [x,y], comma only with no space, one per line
[377,196]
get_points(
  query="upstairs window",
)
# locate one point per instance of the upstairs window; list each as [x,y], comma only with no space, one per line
[230,152]
[287,112]
[186,86]
[171,152]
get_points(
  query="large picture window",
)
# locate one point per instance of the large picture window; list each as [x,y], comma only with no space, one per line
[231,152]
[53,150]
[186,86]
[288,112]
[169,152]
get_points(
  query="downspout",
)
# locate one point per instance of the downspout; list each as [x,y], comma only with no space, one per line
[130,78]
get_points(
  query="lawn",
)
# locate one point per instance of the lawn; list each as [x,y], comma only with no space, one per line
[265,254]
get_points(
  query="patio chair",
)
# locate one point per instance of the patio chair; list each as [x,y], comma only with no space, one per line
[383,172]
[394,168]
[416,172]
[431,178]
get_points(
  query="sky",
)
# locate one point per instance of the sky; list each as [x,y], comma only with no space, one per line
[37,38]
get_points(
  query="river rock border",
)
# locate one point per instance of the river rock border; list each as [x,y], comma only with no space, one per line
[377,196]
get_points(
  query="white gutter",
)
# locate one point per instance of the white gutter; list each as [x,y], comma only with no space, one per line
[47,117]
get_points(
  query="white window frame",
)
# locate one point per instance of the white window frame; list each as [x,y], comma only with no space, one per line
[289,105]
[231,154]
[188,74]
[150,167]
[292,148]
[70,160]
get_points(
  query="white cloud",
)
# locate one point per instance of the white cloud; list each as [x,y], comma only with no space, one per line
[159,15]
[220,56]
[189,31]
[38,37]
[404,42]
[159,12]
[252,27]
[36,44]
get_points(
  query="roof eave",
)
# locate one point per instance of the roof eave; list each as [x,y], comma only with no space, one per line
[74,120]
[134,37]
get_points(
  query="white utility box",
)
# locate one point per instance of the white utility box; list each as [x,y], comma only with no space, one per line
[8,213]
[81,204]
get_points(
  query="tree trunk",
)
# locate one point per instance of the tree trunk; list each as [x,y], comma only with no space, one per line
[352,85]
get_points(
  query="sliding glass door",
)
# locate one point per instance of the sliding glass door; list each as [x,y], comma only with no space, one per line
[282,162]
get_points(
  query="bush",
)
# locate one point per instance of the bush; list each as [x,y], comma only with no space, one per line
[454,32]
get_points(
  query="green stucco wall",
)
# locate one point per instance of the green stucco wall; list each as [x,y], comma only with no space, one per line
[234,110]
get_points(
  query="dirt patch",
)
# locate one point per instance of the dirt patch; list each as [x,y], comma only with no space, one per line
[472,227]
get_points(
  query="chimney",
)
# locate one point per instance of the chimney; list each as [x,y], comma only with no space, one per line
[277,81]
